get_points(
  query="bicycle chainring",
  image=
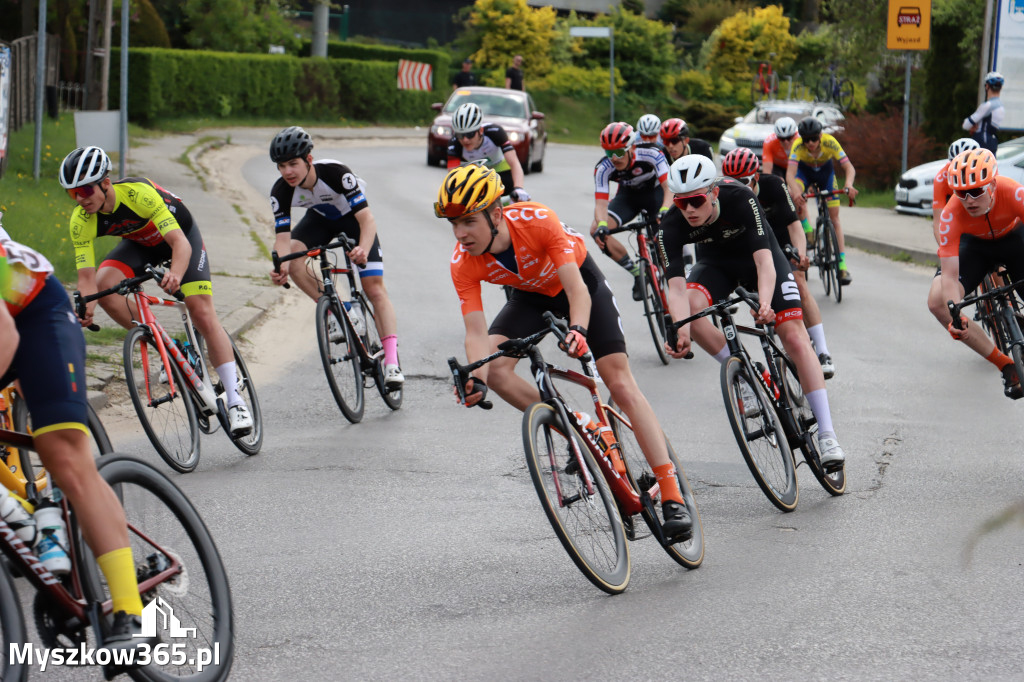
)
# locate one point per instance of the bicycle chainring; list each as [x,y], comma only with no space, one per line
[52,625]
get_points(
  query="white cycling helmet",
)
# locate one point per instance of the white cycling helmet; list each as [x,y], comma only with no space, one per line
[648,125]
[994,79]
[690,173]
[785,127]
[962,145]
[84,166]
[467,119]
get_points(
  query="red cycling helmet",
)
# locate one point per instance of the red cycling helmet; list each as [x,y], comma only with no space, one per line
[673,128]
[740,163]
[618,135]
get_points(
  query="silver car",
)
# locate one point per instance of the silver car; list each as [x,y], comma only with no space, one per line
[753,129]
[914,190]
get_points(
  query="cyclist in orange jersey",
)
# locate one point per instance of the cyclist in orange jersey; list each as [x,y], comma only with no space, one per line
[979,229]
[526,247]
[777,146]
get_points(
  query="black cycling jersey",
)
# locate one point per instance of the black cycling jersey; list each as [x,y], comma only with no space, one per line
[777,204]
[698,146]
[740,229]
[337,192]
[492,148]
[648,169]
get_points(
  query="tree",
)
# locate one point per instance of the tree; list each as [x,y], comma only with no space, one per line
[237,25]
[747,35]
[504,28]
[643,50]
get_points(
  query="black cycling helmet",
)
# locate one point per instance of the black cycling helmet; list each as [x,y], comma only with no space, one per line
[809,127]
[291,143]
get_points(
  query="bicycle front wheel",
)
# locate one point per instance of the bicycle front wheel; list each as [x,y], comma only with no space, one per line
[250,443]
[833,482]
[178,565]
[833,249]
[12,628]
[691,552]
[341,361]
[586,521]
[169,419]
[654,311]
[845,92]
[823,255]
[759,435]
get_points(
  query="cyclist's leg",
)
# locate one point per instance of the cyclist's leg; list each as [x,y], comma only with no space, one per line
[127,259]
[801,209]
[833,212]
[521,316]
[313,230]
[706,284]
[621,210]
[977,340]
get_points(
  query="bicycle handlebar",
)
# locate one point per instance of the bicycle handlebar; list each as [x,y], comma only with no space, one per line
[342,240]
[826,194]
[642,221]
[124,287]
[955,308]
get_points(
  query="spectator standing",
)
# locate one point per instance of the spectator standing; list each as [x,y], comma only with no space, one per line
[514,74]
[984,123]
[465,77]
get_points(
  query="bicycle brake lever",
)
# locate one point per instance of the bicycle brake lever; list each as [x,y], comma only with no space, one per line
[277,267]
[954,312]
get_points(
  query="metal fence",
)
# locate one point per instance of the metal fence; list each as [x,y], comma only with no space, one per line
[23,77]
[71,96]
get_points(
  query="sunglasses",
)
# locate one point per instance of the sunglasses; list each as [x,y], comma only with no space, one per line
[972,193]
[467,136]
[84,192]
[672,140]
[748,180]
[785,139]
[808,140]
[695,200]
[615,153]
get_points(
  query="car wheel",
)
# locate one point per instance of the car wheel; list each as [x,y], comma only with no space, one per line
[528,165]
[431,159]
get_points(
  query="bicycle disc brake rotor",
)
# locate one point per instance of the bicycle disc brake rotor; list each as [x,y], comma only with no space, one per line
[52,625]
[157,562]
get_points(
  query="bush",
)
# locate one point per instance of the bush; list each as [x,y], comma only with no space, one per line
[708,120]
[874,143]
[694,85]
[438,59]
[575,80]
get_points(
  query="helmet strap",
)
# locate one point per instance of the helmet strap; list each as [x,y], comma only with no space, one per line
[494,230]
[309,169]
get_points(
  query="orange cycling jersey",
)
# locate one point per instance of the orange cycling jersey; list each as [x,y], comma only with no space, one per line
[773,150]
[940,189]
[1006,212]
[541,244]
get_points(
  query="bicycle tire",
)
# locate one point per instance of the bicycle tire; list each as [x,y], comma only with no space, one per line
[12,627]
[773,85]
[205,424]
[163,523]
[393,399]
[174,434]
[341,361]
[653,310]
[689,553]
[826,255]
[588,525]
[99,434]
[823,91]
[251,442]
[833,482]
[845,92]
[833,247]
[761,440]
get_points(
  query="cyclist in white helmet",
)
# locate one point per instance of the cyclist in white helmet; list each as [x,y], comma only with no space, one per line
[775,155]
[984,123]
[647,129]
[474,141]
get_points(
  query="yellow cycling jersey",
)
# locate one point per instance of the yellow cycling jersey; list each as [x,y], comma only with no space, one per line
[829,150]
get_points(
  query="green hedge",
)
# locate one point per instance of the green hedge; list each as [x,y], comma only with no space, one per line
[183,83]
[337,49]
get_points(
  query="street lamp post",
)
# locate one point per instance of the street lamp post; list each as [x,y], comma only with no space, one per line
[602,32]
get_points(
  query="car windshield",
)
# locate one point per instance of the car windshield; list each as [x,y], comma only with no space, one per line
[1008,150]
[766,115]
[490,104]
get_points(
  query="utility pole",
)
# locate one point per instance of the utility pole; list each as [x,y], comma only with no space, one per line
[97,56]
[321,10]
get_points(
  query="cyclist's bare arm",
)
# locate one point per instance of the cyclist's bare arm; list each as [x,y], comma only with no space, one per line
[679,309]
[951,279]
[799,241]
[283,246]
[8,338]
[181,253]
[767,165]
[87,286]
[765,285]
[515,167]
[577,293]
[600,210]
[478,345]
[367,233]
[850,173]
[794,189]
[666,195]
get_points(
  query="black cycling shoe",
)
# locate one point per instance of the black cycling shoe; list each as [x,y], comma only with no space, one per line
[844,277]
[126,634]
[1011,383]
[678,526]
[638,290]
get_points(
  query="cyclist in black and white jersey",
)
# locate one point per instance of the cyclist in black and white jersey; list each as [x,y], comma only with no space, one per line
[736,247]
[335,201]
[641,174]
[648,127]
[474,141]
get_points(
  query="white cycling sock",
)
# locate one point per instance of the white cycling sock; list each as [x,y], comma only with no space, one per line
[723,354]
[229,377]
[817,334]
[819,406]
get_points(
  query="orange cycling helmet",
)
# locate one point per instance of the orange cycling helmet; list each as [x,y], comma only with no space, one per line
[618,135]
[972,169]
[740,163]
[673,128]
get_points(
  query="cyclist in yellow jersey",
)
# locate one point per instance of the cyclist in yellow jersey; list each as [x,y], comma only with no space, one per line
[41,344]
[154,226]
[811,161]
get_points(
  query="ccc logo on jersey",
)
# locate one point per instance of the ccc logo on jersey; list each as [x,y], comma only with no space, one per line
[527,213]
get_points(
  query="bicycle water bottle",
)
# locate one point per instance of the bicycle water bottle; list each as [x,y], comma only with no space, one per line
[13,511]
[52,538]
[356,313]
[604,439]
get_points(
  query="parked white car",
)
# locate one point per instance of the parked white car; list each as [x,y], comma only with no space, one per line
[914,190]
[753,129]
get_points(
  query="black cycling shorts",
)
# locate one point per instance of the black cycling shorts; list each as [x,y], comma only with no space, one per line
[523,314]
[132,258]
[316,230]
[978,257]
[50,361]
[628,203]
[717,278]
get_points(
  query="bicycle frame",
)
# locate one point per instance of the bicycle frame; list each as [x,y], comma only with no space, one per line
[644,228]
[1006,312]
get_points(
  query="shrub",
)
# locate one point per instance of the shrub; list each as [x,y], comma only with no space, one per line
[707,120]
[694,85]
[575,80]
[874,143]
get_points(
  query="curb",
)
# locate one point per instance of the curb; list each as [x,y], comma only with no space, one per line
[893,251]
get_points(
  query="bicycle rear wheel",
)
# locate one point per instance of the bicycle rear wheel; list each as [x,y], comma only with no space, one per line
[654,311]
[250,443]
[834,482]
[845,92]
[341,360]
[759,434]
[178,566]
[169,420]
[689,553]
[586,522]
[12,628]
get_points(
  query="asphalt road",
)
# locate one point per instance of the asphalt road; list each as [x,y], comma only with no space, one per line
[412,545]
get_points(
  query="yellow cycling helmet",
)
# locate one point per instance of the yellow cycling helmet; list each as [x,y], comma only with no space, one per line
[467,190]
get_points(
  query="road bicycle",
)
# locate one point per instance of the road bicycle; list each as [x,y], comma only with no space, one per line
[781,421]
[353,356]
[177,563]
[170,382]
[766,82]
[832,88]
[653,282]
[592,494]
[826,241]
[1000,312]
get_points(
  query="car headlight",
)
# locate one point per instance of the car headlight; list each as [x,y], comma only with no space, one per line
[513,136]
[441,131]
[729,135]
